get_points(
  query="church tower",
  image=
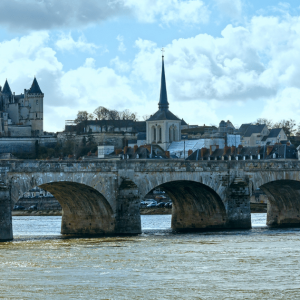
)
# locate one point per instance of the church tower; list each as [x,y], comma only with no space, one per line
[163,127]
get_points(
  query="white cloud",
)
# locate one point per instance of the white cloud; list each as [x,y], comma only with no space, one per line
[119,65]
[285,105]
[50,14]
[230,8]
[121,47]
[67,43]
[170,11]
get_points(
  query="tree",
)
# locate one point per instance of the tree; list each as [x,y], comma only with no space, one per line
[145,117]
[268,122]
[83,115]
[101,113]
[289,126]
[128,115]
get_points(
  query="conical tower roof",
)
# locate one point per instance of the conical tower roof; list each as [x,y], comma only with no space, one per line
[6,88]
[163,103]
[35,88]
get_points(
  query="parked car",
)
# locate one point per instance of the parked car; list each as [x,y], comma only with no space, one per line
[149,201]
[160,204]
[151,205]
[18,207]
[168,204]
[143,204]
[32,207]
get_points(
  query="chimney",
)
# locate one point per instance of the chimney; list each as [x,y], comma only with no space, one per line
[269,149]
[125,149]
[225,150]
[232,149]
[203,152]
[239,150]
[167,154]
[288,144]
[135,147]
[118,151]
[190,152]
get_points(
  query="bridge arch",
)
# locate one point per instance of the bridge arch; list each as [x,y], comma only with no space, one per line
[196,206]
[284,202]
[86,209]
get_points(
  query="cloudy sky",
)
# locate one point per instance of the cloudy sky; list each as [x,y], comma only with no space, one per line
[224,59]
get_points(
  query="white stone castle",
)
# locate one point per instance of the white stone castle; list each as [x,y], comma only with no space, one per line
[21,115]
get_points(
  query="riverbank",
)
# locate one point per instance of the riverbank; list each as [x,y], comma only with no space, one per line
[258,208]
[255,208]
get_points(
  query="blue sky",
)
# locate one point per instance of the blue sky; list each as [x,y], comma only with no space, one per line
[224,59]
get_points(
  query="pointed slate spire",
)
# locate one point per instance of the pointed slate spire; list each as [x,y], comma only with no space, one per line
[163,100]
[35,88]
[6,88]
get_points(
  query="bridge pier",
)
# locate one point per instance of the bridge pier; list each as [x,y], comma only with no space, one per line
[6,232]
[128,219]
[238,205]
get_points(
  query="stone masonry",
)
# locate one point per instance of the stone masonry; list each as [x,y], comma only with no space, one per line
[103,196]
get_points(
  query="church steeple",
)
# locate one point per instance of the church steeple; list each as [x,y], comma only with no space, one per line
[163,103]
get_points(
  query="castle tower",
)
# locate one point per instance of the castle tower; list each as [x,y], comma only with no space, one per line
[163,127]
[35,98]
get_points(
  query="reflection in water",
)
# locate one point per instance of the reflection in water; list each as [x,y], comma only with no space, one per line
[253,264]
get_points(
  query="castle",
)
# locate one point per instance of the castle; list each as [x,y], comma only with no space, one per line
[21,115]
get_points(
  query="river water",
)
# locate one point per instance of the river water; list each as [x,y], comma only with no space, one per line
[260,263]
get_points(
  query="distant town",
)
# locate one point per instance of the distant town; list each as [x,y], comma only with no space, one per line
[111,134]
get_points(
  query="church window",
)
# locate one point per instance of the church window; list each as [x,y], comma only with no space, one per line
[153,134]
[159,134]
[37,102]
[36,115]
[170,135]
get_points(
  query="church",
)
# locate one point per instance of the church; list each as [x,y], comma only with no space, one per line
[163,127]
[21,115]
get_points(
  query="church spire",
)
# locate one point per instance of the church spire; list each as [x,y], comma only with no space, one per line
[163,103]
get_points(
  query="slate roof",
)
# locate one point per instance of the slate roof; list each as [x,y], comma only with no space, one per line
[200,129]
[163,115]
[243,129]
[274,132]
[183,122]
[163,99]
[35,88]
[254,129]
[6,89]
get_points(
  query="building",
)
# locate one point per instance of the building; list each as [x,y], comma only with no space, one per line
[163,127]
[21,115]
[259,134]
[276,135]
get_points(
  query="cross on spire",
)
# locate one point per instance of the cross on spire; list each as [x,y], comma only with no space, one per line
[163,51]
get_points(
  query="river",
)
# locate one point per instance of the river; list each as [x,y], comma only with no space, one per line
[260,263]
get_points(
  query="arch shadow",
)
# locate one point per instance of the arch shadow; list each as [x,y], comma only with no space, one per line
[85,210]
[196,206]
[283,203]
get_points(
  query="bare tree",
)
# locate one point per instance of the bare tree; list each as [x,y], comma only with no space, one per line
[101,113]
[128,115]
[83,115]
[145,117]
[268,122]
[289,126]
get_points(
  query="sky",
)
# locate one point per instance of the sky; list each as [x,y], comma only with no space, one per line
[235,60]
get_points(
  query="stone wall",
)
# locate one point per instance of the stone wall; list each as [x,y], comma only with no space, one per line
[24,145]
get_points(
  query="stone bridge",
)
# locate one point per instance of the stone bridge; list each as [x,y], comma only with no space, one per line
[103,197]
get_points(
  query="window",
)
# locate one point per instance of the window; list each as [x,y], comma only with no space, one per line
[37,102]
